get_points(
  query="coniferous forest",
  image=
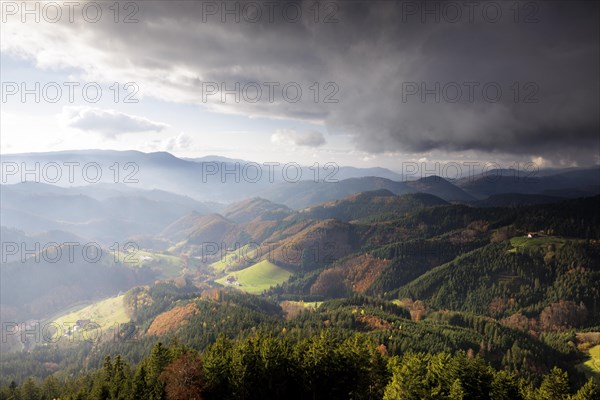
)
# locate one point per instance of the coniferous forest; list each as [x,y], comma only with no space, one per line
[464,306]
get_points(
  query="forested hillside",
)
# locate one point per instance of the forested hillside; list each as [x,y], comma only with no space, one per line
[380,289]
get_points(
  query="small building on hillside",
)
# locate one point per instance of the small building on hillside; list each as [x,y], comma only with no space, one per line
[232,280]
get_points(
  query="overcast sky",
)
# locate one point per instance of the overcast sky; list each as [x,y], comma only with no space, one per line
[361,83]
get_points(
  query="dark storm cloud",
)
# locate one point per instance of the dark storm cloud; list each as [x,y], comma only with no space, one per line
[558,56]
[545,61]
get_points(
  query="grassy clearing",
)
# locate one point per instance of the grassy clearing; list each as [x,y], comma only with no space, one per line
[523,242]
[591,367]
[258,277]
[307,305]
[594,361]
[312,304]
[105,314]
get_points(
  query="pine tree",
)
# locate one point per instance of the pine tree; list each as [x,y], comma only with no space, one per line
[30,391]
[409,378]
[107,369]
[456,391]
[504,386]
[555,385]
[589,391]
[139,387]
[51,388]
[13,390]
[119,379]
[157,362]
[217,367]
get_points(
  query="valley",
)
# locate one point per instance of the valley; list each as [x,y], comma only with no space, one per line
[510,278]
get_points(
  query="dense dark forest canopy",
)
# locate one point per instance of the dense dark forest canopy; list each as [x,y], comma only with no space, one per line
[330,365]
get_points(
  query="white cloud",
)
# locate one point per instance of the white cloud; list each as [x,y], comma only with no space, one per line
[541,162]
[182,141]
[109,123]
[309,138]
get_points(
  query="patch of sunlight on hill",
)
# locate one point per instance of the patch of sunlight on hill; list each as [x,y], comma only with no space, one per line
[523,242]
[256,278]
[105,314]
[591,367]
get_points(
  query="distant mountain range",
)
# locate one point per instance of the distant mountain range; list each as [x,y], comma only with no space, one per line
[95,212]
[208,179]
[218,179]
[169,188]
[568,183]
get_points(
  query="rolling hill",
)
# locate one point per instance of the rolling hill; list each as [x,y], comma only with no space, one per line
[309,193]
[247,210]
[409,272]
[369,204]
[114,215]
[256,278]
[569,183]
[60,276]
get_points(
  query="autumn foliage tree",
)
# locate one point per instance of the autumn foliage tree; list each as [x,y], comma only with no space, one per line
[183,378]
[562,315]
[330,283]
